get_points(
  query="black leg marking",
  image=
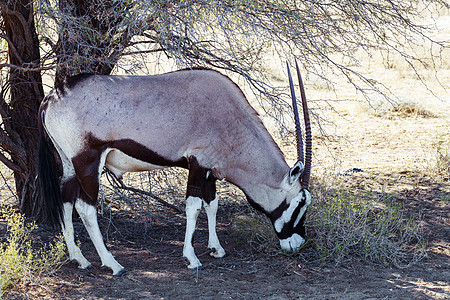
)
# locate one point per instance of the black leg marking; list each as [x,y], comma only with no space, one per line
[199,184]
[86,166]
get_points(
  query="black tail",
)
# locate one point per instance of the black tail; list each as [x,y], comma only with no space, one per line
[49,206]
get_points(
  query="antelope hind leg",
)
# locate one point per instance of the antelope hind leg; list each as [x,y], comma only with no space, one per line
[88,214]
[88,165]
[75,254]
[69,189]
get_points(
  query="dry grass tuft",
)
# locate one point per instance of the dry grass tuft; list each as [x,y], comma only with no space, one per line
[441,165]
[254,228]
[405,110]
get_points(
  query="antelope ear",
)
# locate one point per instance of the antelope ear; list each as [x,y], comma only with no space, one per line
[295,172]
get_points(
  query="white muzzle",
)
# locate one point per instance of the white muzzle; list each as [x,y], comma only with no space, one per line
[293,243]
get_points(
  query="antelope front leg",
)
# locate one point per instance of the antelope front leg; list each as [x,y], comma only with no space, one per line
[213,243]
[193,206]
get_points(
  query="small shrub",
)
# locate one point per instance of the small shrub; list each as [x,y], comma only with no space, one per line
[20,264]
[345,226]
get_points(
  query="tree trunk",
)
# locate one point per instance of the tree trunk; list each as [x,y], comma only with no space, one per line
[26,93]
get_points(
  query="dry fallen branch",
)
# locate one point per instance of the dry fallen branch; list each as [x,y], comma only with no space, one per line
[118,183]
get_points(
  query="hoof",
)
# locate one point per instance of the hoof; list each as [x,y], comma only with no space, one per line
[89,266]
[121,273]
[217,253]
[198,268]
[118,274]
[76,262]
[105,268]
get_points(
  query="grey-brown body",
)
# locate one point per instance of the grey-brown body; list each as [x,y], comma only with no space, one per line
[197,119]
[194,112]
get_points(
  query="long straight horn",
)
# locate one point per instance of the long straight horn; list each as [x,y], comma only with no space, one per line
[298,129]
[308,155]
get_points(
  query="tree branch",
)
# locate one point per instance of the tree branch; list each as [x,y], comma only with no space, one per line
[143,52]
[12,48]
[13,149]
[26,69]
[9,164]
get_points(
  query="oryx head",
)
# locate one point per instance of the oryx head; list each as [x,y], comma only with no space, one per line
[288,218]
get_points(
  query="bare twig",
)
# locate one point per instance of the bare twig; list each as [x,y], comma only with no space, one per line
[7,185]
[26,69]
[118,183]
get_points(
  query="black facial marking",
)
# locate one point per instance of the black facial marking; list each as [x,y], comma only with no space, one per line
[276,214]
[288,229]
[301,229]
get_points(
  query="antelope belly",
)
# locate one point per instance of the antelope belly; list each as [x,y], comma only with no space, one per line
[119,163]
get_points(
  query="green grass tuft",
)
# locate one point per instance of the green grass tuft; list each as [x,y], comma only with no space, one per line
[20,263]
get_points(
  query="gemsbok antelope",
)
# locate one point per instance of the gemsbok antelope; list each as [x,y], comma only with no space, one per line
[195,119]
